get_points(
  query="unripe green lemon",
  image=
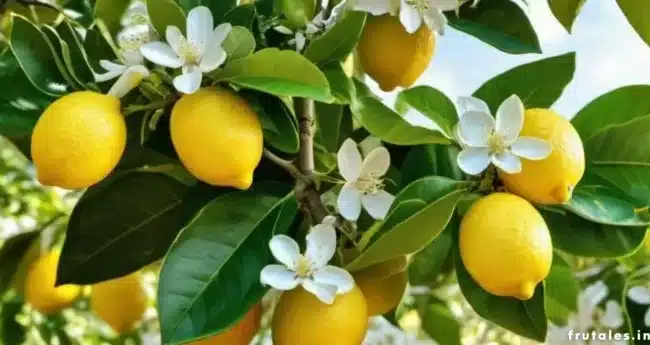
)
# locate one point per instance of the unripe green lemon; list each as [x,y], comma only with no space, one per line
[297,12]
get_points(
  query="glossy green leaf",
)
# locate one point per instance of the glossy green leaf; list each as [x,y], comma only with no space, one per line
[111,12]
[561,288]
[342,87]
[636,12]
[499,23]
[12,253]
[243,15]
[429,160]
[539,84]
[36,57]
[433,104]
[566,11]
[78,64]
[578,236]
[425,267]
[605,205]
[164,13]
[333,124]
[278,72]
[62,56]
[97,48]
[239,43]
[198,295]
[218,7]
[339,41]
[279,124]
[440,324]
[409,228]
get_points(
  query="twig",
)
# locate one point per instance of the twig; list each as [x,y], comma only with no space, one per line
[284,164]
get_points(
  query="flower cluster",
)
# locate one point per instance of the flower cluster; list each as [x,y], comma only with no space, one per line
[412,13]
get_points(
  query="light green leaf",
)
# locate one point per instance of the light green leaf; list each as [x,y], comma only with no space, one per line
[440,324]
[218,7]
[566,11]
[539,84]
[243,15]
[36,56]
[198,294]
[279,124]
[111,12]
[499,23]
[562,289]
[77,62]
[605,205]
[239,43]
[278,72]
[339,41]
[410,227]
[432,104]
[342,87]
[164,13]
[636,12]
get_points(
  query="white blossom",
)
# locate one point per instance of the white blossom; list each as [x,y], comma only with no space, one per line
[641,295]
[412,13]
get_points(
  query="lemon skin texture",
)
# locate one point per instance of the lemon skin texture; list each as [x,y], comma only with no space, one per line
[383,285]
[120,302]
[551,180]
[218,137]
[505,245]
[78,140]
[301,318]
[241,334]
[39,290]
[392,56]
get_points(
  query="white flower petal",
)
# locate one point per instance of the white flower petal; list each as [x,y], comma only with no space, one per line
[214,57]
[283,30]
[639,294]
[133,57]
[131,78]
[300,41]
[445,5]
[161,54]
[377,162]
[336,276]
[349,202]
[466,104]
[285,250]
[107,76]
[189,82]
[349,160]
[593,295]
[374,7]
[321,245]
[220,33]
[613,317]
[175,40]
[475,128]
[279,277]
[510,119]
[112,66]
[199,28]
[531,148]
[435,20]
[377,204]
[325,293]
[473,161]
[507,162]
[646,318]
[330,220]
[410,17]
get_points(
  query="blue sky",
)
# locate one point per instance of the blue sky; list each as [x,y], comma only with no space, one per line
[609,55]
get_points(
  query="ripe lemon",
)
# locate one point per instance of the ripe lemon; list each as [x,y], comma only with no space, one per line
[301,318]
[120,302]
[505,245]
[383,285]
[40,292]
[218,137]
[551,180]
[241,334]
[78,140]
[392,56]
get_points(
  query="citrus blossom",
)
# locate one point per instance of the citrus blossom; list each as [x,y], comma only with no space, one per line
[641,295]
[412,13]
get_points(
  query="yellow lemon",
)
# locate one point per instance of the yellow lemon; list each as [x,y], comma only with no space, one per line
[40,292]
[505,245]
[78,140]
[218,137]
[383,285]
[301,318]
[241,334]
[120,302]
[392,56]
[551,180]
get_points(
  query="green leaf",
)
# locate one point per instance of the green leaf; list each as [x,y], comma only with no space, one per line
[116,228]
[440,324]
[97,48]
[201,295]
[425,267]
[110,12]
[578,236]
[164,13]
[12,253]
[539,84]
[62,56]
[410,227]
[218,7]
[36,57]
[339,41]
[636,12]
[239,43]
[334,125]
[429,160]
[279,124]
[499,23]
[562,289]
[566,11]
[278,72]
[613,108]
[13,332]
[525,318]
[342,87]
[433,104]
[78,64]
[605,205]
[243,15]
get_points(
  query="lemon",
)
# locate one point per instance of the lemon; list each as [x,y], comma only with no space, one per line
[383,285]
[241,334]
[301,318]
[297,12]
[551,180]
[40,292]
[392,56]
[218,137]
[120,302]
[78,140]
[505,245]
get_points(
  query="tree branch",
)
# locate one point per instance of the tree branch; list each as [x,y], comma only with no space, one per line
[284,164]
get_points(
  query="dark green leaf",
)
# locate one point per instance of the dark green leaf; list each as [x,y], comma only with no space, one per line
[426,266]
[239,43]
[440,324]
[218,7]
[97,48]
[11,255]
[210,277]
[342,87]
[636,12]
[562,289]
[539,84]
[62,56]
[110,12]
[339,41]
[429,160]
[243,15]
[13,332]
[433,104]
[334,125]
[499,23]
[566,11]
[279,124]
[164,13]
[78,64]
[605,205]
